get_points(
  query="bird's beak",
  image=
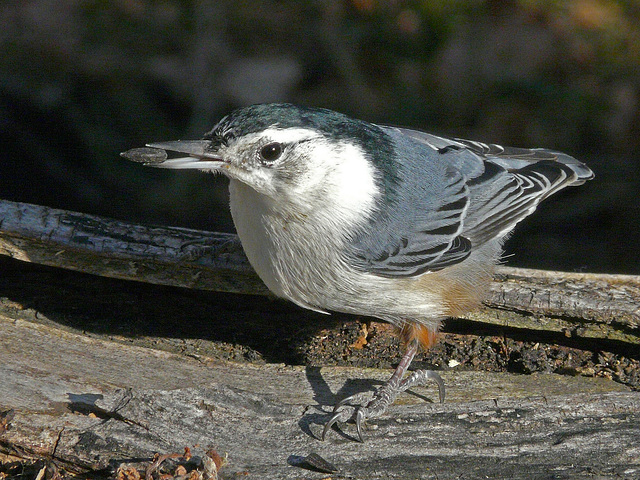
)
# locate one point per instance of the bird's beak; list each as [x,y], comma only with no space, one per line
[198,157]
[155,155]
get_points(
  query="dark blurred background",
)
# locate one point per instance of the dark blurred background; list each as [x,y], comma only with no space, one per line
[83,80]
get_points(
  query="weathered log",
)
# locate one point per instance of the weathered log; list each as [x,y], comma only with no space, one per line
[581,305]
[111,248]
[93,405]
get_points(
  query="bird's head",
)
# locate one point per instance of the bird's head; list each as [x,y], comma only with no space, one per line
[285,152]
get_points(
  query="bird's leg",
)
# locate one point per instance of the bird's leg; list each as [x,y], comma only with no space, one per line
[385,395]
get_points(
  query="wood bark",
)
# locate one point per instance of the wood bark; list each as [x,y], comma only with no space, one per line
[90,403]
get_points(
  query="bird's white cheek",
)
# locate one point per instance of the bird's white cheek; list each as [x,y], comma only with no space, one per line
[344,183]
[354,181]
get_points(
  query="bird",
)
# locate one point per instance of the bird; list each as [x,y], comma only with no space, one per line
[338,214]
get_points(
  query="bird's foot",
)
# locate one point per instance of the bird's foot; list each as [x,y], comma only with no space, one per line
[352,407]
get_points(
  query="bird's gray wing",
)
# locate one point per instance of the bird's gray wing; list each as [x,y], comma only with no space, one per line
[396,246]
[510,158]
[418,225]
[514,182]
[475,192]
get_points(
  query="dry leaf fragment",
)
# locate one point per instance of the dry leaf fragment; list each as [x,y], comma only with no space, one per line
[127,473]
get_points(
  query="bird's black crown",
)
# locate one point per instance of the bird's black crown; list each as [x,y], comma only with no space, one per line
[332,125]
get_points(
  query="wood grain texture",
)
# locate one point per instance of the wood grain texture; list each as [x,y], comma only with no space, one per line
[90,405]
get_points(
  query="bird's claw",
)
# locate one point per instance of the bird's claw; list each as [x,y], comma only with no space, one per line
[343,411]
[352,407]
[360,417]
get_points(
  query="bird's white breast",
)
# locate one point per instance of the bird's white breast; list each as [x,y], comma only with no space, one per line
[296,243]
[250,211]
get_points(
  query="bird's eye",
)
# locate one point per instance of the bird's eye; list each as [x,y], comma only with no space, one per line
[271,152]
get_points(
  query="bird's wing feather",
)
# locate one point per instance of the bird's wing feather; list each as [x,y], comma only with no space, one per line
[452,195]
[431,242]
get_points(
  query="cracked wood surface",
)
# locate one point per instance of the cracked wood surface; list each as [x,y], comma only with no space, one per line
[89,404]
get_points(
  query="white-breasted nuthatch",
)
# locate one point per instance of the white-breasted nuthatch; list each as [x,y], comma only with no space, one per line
[337,214]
